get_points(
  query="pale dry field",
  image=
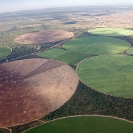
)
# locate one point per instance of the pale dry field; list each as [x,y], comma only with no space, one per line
[43,37]
[32,88]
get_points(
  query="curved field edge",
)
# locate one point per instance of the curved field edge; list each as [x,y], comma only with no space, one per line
[4,51]
[111,31]
[65,56]
[97,45]
[79,48]
[88,101]
[5,130]
[108,74]
[84,124]
[130,51]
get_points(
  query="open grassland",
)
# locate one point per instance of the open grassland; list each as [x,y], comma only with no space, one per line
[79,48]
[85,124]
[4,51]
[108,74]
[111,31]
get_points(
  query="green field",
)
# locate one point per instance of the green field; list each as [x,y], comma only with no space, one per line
[4,51]
[79,48]
[85,124]
[111,31]
[97,45]
[52,53]
[108,74]
[130,51]
[63,55]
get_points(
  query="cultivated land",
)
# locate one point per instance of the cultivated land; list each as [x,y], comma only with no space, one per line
[79,48]
[130,51]
[43,37]
[77,20]
[4,51]
[85,124]
[69,57]
[108,74]
[32,88]
[97,45]
[111,31]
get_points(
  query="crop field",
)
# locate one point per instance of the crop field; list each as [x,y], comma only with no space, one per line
[111,31]
[97,45]
[108,74]
[31,88]
[130,51]
[43,37]
[4,51]
[34,91]
[79,48]
[63,55]
[85,124]
[52,53]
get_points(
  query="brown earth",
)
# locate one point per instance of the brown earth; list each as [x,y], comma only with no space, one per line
[43,37]
[31,88]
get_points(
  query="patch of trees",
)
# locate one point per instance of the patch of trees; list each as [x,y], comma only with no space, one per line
[20,51]
[4,131]
[21,128]
[88,101]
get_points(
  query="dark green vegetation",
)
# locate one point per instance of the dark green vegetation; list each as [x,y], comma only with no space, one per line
[79,48]
[111,31]
[88,101]
[108,74]
[24,50]
[4,51]
[85,124]
[4,130]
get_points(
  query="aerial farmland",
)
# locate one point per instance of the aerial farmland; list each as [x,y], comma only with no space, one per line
[66,70]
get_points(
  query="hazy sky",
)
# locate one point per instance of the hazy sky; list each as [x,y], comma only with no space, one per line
[13,5]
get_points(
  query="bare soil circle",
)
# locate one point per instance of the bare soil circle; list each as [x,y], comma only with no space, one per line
[43,37]
[32,88]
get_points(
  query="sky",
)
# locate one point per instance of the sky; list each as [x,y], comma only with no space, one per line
[17,5]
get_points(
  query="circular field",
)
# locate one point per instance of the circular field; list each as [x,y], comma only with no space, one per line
[43,37]
[4,51]
[108,74]
[111,31]
[31,88]
[85,124]
[97,45]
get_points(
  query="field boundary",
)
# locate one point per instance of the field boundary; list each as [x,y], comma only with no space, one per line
[74,116]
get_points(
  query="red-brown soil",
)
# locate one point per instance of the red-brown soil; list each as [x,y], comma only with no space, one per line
[43,37]
[31,88]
